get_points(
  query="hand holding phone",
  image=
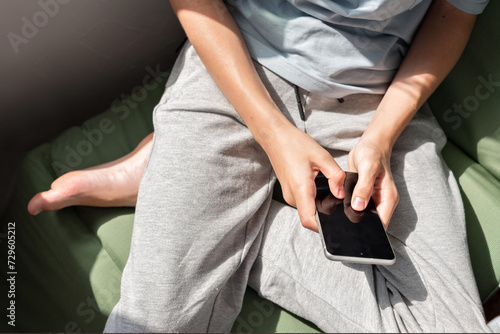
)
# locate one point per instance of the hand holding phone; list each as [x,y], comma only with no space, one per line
[349,235]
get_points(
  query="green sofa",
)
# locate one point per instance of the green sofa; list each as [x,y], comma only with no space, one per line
[69,262]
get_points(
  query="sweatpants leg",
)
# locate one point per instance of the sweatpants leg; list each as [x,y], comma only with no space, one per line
[201,207]
[430,288]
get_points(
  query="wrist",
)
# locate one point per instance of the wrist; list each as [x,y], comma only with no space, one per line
[387,124]
[268,128]
[380,138]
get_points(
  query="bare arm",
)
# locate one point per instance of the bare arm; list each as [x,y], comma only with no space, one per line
[436,48]
[218,41]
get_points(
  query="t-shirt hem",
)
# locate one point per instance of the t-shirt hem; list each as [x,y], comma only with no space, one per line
[281,66]
[469,7]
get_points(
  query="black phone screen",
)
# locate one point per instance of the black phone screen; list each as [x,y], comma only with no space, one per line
[347,232]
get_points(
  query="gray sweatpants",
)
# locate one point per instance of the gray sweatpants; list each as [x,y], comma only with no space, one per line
[206,224]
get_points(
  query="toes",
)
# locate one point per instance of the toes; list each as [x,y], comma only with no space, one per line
[35,205]
[61,195]
[47,201]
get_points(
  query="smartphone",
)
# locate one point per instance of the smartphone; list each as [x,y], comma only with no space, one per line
[349,235]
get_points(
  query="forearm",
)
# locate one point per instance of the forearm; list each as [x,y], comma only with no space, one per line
[218,41]
[436,48]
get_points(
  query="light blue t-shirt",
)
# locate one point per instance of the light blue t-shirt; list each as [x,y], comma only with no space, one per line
[334,47]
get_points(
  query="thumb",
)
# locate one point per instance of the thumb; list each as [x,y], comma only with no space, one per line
[363,189]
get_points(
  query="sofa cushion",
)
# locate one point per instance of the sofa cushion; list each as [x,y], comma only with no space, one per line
[467,106]
[480,193]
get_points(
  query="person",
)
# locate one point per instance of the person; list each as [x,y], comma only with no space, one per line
[267,90]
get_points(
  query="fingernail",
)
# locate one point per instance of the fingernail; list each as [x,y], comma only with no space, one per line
[36,212]
[359,204]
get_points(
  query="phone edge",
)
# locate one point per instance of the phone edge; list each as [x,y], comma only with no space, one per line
[351,259]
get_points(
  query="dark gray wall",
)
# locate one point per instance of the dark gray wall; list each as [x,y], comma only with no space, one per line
[64,61]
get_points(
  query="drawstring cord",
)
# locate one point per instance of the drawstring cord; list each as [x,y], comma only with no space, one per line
[299,103]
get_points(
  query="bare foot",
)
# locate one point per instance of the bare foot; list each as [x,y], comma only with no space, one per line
[115,183]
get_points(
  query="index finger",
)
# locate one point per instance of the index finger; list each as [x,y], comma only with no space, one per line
[306,205]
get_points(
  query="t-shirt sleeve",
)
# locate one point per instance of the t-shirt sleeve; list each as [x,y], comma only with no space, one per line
[470,6]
